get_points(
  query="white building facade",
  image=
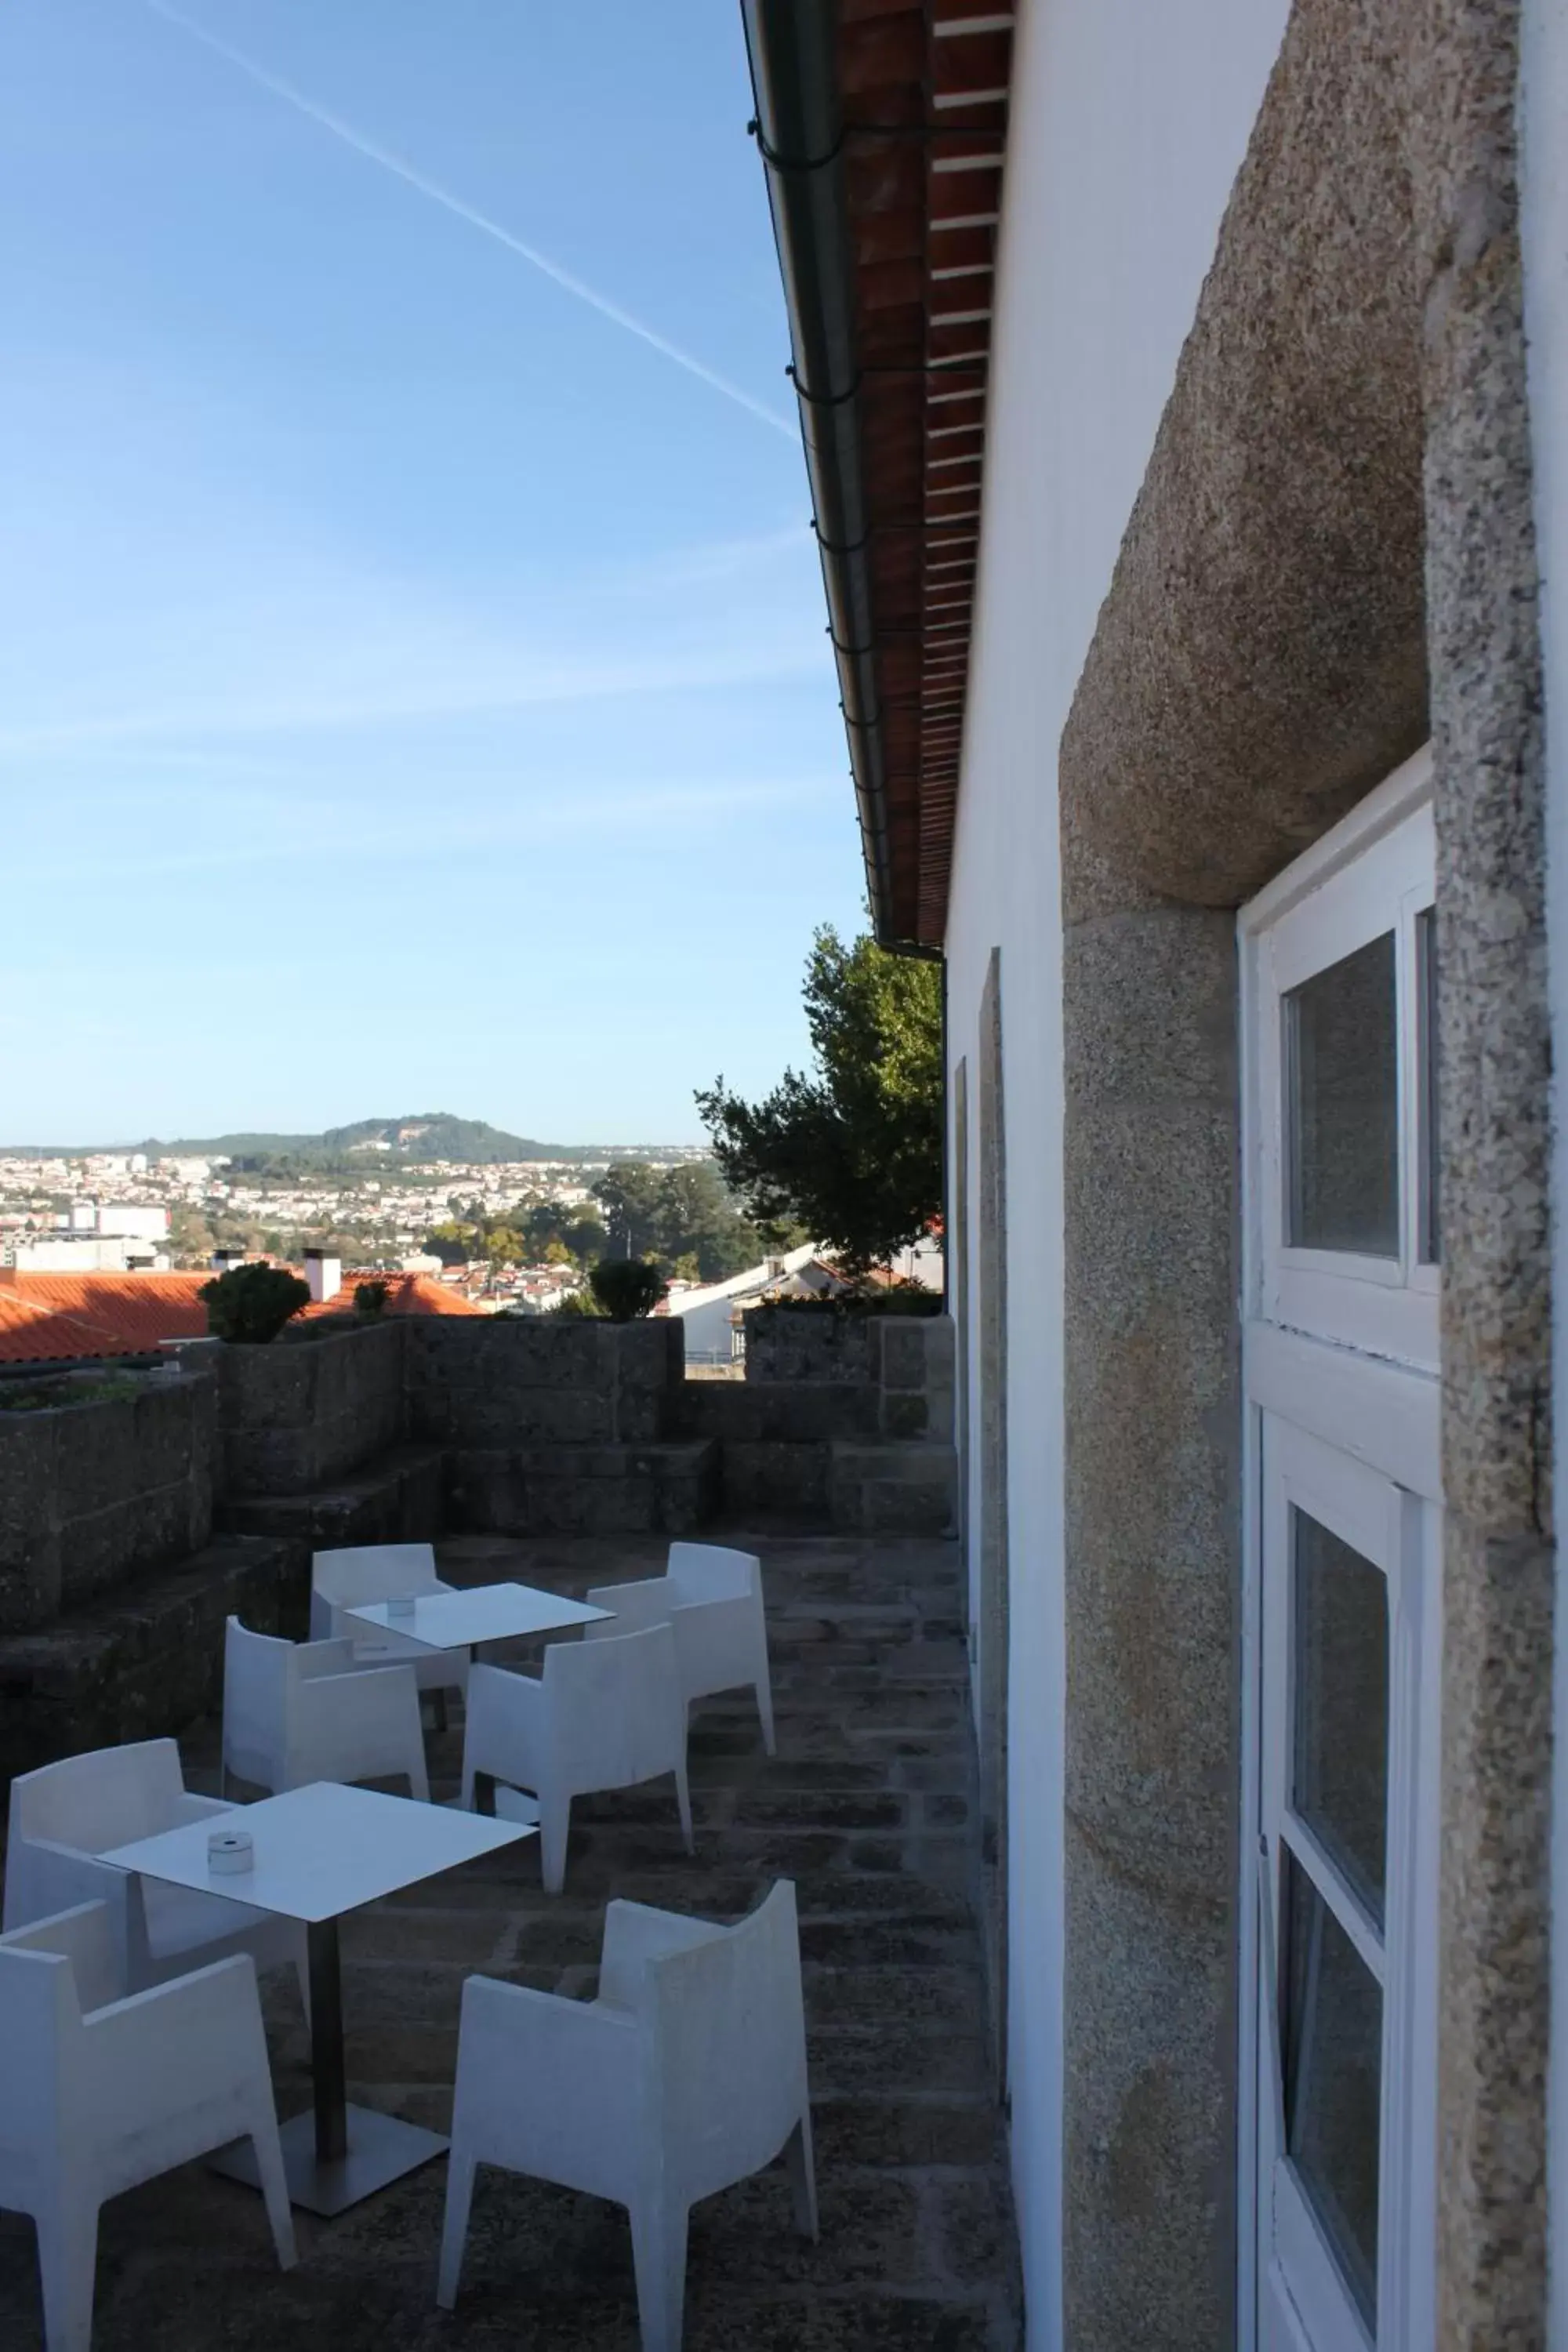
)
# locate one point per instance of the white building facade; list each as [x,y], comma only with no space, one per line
[1185,398]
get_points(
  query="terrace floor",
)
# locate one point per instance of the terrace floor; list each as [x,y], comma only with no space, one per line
[868,1807]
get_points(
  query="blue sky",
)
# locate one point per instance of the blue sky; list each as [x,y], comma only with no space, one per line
[414,691]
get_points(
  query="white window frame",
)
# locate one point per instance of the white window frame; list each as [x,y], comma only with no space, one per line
[1372,873]
[1398,1532]
[1356,1370]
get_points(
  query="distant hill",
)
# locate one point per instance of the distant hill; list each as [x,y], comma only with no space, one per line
[438,1135]
[418,1139]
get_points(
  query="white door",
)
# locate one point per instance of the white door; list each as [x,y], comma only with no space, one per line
[1341,1662]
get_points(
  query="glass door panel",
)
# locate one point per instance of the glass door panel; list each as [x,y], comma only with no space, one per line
[1330,1533]
[1339,1705]
[1332,2009]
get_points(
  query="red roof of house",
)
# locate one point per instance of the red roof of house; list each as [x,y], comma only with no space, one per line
[48,1318]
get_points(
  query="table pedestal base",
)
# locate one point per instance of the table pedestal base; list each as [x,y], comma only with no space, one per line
[381,2150]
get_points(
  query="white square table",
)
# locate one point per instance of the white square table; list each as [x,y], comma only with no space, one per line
[322,1851]
[478,1613]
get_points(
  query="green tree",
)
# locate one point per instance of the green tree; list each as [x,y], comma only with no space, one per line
[853,1150]
[451,1242]
[577,1231]
[631,1195]
[191,1240]
[697,1219]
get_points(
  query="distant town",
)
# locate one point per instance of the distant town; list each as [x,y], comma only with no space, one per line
[383,1196]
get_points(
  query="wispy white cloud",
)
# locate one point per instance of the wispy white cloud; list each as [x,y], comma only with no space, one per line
[433,694]
[340,831]
[389,161]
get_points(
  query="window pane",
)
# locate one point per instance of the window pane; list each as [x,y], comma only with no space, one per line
[1427,985]
[1341,1057]
[1340,1673]
[1333,2080]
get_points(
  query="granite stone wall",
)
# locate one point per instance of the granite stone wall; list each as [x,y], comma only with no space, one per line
[559,1426]
[299,1413]
[842,1420]
[145,1658]
[91,1493]
[1330,558]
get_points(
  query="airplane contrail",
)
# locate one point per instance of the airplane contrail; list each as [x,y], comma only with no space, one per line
[390,162]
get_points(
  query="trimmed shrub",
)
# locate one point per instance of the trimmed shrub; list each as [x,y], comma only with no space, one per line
[371,1297]
[896,1299]
[627,1288]
[250,1304]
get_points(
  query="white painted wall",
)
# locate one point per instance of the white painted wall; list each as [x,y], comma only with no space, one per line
[705,1314]
[135,1223]
[1545,224]
[1129,120]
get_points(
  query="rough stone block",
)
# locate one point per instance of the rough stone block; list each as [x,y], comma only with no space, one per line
[784,1343]
[262,1460]
[95,1459]
[640,1416]
[889,1489]
[940,1341]
[799,1413]
[776,1481]
[905,1414]
[96,1549]
[266,1387]
[174,1417]
[582,1490]
[649,1354]
[30,1521]
[902,1351]
[139,1665]
[398,1499]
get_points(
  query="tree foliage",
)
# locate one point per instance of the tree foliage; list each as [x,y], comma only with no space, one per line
[679,1216]
[627,1288]
[252,1303]
[852,1150]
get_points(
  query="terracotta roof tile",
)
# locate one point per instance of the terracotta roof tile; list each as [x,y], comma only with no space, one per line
[46,1317]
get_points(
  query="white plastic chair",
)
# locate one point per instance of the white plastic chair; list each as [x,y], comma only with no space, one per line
[602,1715]
[348,1579]
[298,1712]
[100,2092]
[713,1597]
[687,2073]
[63,1816]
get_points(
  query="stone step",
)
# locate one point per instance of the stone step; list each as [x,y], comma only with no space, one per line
[398,1498]
[885,1489]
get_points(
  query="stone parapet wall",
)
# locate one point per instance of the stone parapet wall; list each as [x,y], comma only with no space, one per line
[583,1490]
[540,1380]
[777,1413]
[794,1344]
[842,1419]
[146,1660]
[913,1368]
[301,1413]
[93,1493]
[113,1589]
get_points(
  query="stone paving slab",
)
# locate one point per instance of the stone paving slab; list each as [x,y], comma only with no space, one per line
[868,1806]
